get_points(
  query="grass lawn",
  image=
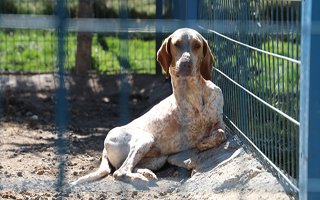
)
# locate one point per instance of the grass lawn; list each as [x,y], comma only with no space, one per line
[275,74]
[36,51]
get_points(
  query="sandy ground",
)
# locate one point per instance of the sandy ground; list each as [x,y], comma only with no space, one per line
[32,168]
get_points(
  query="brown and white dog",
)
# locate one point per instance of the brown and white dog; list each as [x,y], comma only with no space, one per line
[192,117]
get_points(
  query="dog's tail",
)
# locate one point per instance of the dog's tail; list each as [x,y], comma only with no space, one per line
[104,170]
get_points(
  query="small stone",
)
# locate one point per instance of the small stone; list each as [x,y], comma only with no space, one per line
[47,194]
[40,172]
[19,174]
[34,117]
[259,167]
[162,193]
[75,173]
[91,159]
[105,99]
[19,197]
[134,193]
[102,197]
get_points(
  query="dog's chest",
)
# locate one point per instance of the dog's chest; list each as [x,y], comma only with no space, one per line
[184,127]
[195,122]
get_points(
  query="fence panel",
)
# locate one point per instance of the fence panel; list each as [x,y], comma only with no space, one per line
[257,45]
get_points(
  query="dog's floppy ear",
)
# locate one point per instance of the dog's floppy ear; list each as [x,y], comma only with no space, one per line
[164,56]
[207,61]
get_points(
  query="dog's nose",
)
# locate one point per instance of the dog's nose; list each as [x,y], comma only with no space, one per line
[184,67]
[185,62]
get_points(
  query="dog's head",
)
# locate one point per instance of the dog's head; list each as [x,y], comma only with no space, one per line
[186,53]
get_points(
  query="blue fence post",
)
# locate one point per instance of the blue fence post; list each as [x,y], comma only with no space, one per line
[61,102]
[159,16]
[309,166]
[178,10]
[124,114]
[187,11]
[192,13]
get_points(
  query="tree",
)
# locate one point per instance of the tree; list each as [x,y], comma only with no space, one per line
[84,39]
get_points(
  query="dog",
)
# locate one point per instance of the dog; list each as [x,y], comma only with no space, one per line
[191,117]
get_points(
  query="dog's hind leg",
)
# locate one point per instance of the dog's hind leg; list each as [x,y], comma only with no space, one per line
[140,143]
[103,170]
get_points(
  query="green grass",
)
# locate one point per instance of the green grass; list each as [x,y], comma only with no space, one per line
[141,55]
[276,74]
[275,79]
[36,51]
[28,51]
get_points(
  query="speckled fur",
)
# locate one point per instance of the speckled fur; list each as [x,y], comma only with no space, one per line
[192,117]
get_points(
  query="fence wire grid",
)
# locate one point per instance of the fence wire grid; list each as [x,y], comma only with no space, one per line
[256,43]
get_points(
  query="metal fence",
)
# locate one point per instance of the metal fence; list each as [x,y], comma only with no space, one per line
[256,43]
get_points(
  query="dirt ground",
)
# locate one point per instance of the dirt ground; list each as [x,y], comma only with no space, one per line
[32,167]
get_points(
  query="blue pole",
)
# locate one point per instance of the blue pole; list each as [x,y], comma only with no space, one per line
[309,164]
[124,62]
[192,9]
[61,102]
[191,13]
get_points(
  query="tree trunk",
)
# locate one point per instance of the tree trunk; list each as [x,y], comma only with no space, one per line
[84,39]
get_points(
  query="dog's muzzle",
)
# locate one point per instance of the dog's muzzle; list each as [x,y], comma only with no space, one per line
[184,66]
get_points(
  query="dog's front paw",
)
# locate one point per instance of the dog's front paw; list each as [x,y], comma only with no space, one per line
[204,145]
[147,173]
[119,174]
[217,137]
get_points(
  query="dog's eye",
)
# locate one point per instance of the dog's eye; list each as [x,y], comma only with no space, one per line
[196,46]
[177,44]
